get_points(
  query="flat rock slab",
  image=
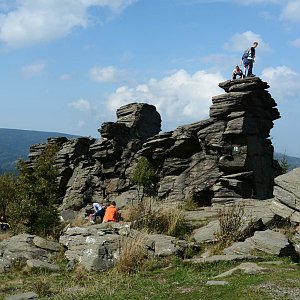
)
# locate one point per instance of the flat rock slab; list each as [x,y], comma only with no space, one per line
[271,242]
[254,209]
[23,296]
[207,233]
[247,267]
[207,213]
[38,264]
[215,258]
[284,211]
[216,282]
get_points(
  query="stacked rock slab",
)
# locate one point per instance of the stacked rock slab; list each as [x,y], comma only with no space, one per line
[90,169]
[225,157]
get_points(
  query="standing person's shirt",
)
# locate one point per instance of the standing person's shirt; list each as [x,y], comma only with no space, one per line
[251,53]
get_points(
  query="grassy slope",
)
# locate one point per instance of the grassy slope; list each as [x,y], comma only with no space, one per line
[160,281]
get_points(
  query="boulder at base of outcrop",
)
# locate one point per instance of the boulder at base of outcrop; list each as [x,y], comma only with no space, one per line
[269,241]
[95,247]
[163,245]
[287,189]
[25,247]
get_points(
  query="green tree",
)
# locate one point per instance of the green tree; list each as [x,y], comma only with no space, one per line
[7,192]
[284,164]
[144,177]
[35,209]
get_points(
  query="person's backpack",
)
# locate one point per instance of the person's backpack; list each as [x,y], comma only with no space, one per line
[246,54]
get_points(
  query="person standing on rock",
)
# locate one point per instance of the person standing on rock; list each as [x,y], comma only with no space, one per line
[249,60]
[111,213]
[99,209]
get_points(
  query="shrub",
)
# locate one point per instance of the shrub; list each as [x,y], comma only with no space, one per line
[232,222]
[285,166]
[7,192]
[144,177]
[189,204]
[42,286]
[35,209]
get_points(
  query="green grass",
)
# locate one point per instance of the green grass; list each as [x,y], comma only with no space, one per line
[159,280]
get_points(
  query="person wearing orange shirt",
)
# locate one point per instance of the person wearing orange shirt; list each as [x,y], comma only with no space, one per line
[111,213]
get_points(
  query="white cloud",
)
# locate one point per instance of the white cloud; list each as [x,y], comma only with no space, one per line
[296,43]
[291,11]
[106,74]
[249,2]
[180,97]
[283,81]
[81,105]
[242,41]
[80,124]
[25,22]
[65,77]
[33,70]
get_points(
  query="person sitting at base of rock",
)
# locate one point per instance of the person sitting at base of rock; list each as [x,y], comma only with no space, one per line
[237,72]
[3,224]
[99,209]
[111,213]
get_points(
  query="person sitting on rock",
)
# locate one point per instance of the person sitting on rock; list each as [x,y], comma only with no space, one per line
[237,72]
[111,213]
[99,209]
[3,224]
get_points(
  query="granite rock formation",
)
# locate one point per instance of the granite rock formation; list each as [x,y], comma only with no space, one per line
[226,157]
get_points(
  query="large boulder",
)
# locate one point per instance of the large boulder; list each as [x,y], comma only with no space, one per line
[26,247]
[269,241]
[287,189]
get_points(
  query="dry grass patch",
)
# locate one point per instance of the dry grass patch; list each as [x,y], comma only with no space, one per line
[157,219]
[132,254]
[4,236]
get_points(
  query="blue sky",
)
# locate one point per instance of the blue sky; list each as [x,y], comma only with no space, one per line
[67,65]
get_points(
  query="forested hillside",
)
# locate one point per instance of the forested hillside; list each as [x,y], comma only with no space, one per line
[15,143]
[293,162]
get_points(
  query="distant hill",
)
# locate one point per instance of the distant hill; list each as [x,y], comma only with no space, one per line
[15,144]
[293,162]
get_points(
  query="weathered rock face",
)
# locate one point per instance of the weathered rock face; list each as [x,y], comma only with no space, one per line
[90,168]
[226,157]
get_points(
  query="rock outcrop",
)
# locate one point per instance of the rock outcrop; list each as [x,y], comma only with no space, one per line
[226,157]
[90,168]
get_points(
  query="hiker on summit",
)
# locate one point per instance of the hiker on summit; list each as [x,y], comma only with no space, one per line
[237,72]
[248,59]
